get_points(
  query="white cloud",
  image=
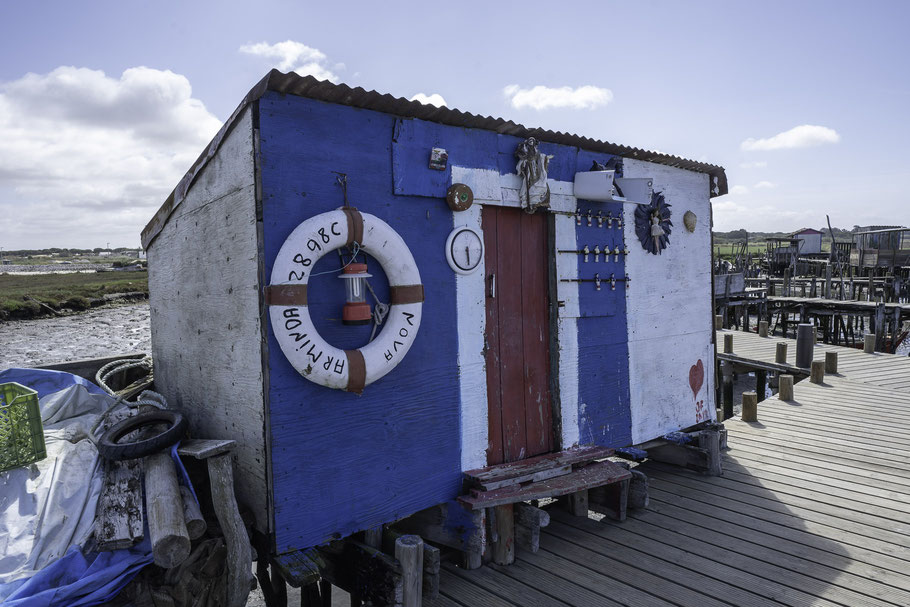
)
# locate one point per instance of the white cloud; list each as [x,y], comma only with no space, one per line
[803,136]
[764,185]
[87,158]
[758,164]
[293,56]
[434,99]
[738,189]
[543,97]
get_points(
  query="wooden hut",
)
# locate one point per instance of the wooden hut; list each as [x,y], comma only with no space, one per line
[507,333]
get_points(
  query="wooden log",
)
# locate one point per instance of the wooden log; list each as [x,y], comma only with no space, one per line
[118,523]
[718,322]
[373,537]
[817,372]
[712,440]
[431,561]
[167,529]
[805,344]
[869,343]
[763,328]
[728,343]
[785,387]
[639,497]
[780,356]
[880,327]
[761,383]
[240,557]
[750,407]
[192,516]
[504,545]
[409,552]
[831,362]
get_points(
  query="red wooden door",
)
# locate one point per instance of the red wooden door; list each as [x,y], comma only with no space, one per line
[517,334]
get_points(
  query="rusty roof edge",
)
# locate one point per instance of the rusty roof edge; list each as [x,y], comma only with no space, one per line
[322,90]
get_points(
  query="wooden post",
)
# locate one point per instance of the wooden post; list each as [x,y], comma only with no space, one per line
[727,372]
[805,344]
[504,546]
[409,552]
[817,372]
[828,281]
[195,523]
[761,381]
[869,343]
[763,328]
[895,327]
[167,529]
[728,343]
[785,387]
[239,557]
[718,322]
[880,327]
[373,537]
[831,362]
[577,503]
[750,407]
[780,355]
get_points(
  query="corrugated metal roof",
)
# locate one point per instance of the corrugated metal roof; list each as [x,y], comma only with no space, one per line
[322,90]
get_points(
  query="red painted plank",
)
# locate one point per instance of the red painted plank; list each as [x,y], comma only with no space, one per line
[576,455]
[489,222]
[535,332]
[593,475]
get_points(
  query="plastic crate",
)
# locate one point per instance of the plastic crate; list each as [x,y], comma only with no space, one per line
[21,432]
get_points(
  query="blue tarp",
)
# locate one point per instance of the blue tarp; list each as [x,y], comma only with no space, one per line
[45,381]
[77,578]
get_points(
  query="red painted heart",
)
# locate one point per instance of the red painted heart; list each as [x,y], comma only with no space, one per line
[696,377]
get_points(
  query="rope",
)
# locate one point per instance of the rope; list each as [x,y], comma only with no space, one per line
[380,311]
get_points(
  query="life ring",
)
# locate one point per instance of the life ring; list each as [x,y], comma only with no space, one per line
[305,349]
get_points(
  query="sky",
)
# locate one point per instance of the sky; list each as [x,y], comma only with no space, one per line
[104,105]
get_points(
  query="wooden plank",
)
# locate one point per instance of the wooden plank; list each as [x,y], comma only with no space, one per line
[822,564]
[467,593]
[502,585]
[490,222]
[593,475]
[511,344]
[753,580]
[199,448]
[449,524]
[554,585]
[535,327]
[118,522]
[521,471]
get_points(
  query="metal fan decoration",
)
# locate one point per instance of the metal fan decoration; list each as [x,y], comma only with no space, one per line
[653,225]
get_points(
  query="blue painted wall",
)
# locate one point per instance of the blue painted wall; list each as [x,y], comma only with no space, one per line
[341,462]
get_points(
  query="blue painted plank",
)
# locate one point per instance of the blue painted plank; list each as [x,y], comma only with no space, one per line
[342,462]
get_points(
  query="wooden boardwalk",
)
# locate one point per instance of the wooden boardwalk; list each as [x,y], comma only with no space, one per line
[886,370]
[813,509]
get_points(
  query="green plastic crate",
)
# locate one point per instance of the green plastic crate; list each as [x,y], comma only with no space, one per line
[21,432]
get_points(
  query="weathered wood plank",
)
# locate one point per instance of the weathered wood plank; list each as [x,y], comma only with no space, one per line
[493,477]
[593,475]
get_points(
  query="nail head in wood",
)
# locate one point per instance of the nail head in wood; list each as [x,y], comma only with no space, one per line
[785,387]
[750,407]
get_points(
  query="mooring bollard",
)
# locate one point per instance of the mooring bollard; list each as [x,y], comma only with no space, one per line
[750,407]
[728,343]
[763,328]
[718,322]
[817,372]
[781,354]
[785,387]
[805,344]
[869,344]
[831,362]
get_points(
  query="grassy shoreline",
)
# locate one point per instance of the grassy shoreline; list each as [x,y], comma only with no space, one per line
[22,296]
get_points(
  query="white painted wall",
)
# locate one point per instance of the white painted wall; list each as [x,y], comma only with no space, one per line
[669,308]
[811,243]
